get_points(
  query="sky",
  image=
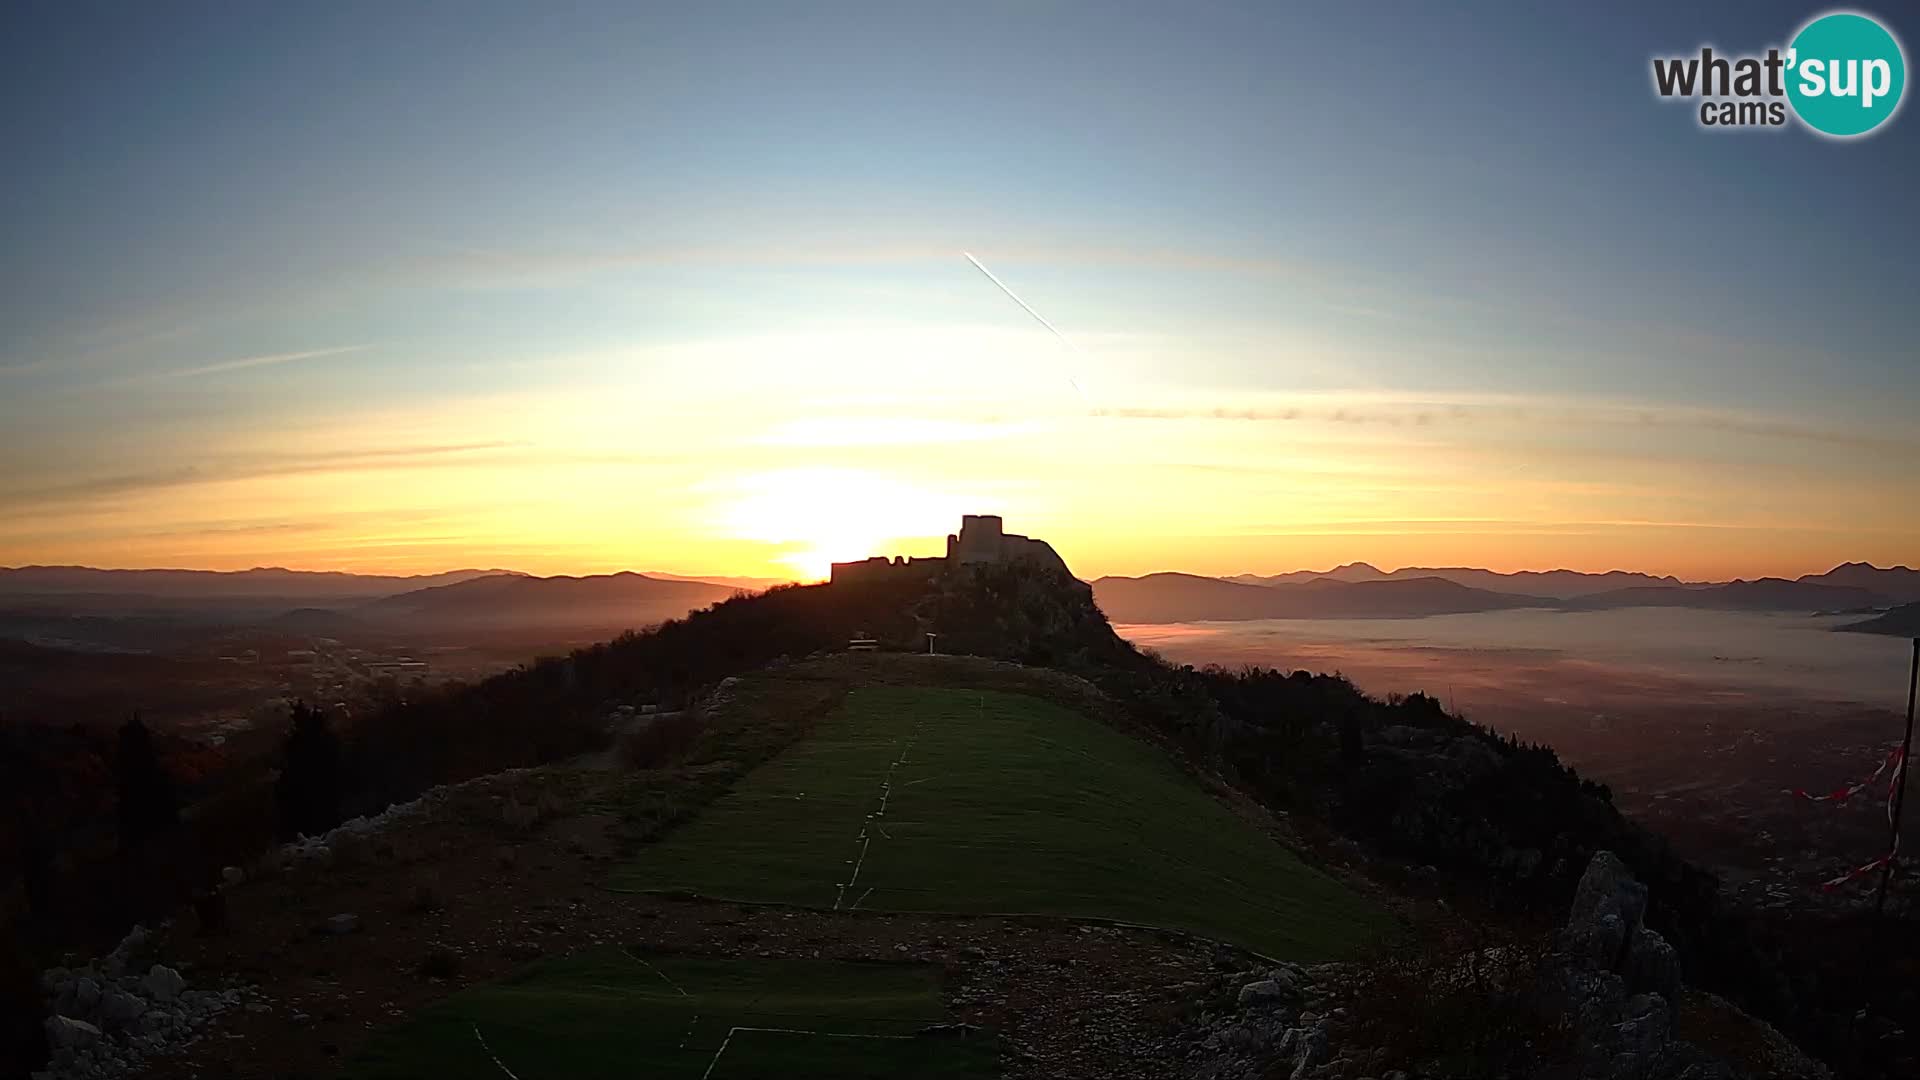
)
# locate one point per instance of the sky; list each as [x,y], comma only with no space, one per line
[579,288]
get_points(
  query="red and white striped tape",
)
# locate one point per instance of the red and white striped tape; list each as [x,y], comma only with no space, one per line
[1859,872]
[1840,795]
[1895,763]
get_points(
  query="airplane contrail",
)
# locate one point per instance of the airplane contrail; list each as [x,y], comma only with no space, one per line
[1037,317]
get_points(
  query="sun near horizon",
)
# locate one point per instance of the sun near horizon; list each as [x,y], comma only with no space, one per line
[731,318]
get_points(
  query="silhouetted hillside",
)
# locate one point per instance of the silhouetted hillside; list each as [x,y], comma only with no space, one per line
[1766,594]
[1553,584]
[556,707]
[1353,571]
[1903,621]
[1849,585]
[1170,597]
[324,622]
[271,583]
[609,601]
[1161,598]
[1901,583]
[746,584]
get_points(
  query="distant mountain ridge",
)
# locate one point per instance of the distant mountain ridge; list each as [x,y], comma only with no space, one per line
[1902,583]
[261,581]
[1362,590]
[332,603]
[618,601]
[1764,594]
[611,601]
[1554,584]
[751,583]
[1894,583]
[1161,598]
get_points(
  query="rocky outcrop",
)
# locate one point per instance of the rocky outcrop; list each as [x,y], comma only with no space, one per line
[1615,978]
[64,1033]
[106,1020]
[1279,1022]
[163,984]
[1606,931]
[1598,1002]
[1619,983]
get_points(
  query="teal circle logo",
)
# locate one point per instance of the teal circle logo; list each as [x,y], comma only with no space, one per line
[1845,74]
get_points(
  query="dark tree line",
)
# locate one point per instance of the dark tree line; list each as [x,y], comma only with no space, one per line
[1511,822]
[145,804]
[307,793]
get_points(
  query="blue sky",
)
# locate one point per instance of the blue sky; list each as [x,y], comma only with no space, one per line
[236,231]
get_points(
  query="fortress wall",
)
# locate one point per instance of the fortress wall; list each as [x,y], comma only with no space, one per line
[881,568]
[982,539]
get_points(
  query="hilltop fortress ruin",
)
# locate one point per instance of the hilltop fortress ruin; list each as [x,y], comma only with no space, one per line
[981,539]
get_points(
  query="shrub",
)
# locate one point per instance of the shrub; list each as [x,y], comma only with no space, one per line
[666,740]
[440,963]
[308,792]
[1464,1005]
[145,802]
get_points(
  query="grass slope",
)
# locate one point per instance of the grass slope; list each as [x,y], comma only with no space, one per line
[966,801]
[612,1013]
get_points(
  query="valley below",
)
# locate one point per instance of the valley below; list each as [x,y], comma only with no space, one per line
[1702,722]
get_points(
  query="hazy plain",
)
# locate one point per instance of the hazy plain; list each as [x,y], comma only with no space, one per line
[1701,721]
[1750,651]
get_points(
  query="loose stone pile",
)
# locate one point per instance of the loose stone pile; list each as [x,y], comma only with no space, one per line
[109,1017]
[1281,1022]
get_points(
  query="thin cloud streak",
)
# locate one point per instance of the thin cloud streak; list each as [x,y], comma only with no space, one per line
[1421,413]
[266,466]
[261,361]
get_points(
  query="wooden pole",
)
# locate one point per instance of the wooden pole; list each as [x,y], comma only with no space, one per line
[1899,792]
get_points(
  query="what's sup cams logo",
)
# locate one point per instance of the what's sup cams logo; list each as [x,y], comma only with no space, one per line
[1843,75]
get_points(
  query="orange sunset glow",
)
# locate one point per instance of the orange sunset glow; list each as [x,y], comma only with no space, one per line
[815,470]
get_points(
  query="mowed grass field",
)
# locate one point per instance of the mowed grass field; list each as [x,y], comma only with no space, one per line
[967,801]
[608,1012]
